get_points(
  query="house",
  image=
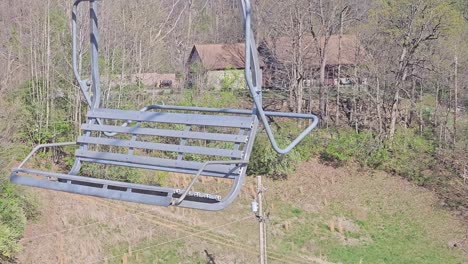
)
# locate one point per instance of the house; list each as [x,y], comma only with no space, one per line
[279,54]
[218,66]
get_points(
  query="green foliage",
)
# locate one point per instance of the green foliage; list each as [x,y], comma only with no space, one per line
[310,146]
[8,240]
[14,210]
[222,99]
[410,155]
[265,160]
[125,174]
[348,145]
[116,173]
[232,80]
[34,128]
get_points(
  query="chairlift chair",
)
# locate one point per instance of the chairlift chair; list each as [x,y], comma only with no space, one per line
[119,138]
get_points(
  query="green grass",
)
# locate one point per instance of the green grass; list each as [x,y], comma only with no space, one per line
[382,238]
[394,239]
[401,225]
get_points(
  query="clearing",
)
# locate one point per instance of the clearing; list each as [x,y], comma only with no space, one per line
[320,214]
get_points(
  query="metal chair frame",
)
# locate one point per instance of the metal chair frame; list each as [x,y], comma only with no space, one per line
[90,149]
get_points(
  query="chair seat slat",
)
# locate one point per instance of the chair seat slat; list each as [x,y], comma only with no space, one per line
[166,133]
[174,118]
[158,162]
[160,146]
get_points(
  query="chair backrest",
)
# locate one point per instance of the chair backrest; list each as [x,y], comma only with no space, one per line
[168,140]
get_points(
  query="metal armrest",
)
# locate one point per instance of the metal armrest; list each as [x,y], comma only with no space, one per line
[253,79]
[38,147]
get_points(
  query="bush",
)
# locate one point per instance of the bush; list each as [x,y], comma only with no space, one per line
[411,156]
[264,160]
[312,145]
[15,209]
[8,241]
[348,145]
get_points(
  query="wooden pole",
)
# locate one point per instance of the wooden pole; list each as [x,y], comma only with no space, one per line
[455,110]
[261,221]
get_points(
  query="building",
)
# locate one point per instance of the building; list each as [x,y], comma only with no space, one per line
[281,54]
[217,66]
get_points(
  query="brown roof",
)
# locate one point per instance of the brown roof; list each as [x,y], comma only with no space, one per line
[351,50]
[220,56]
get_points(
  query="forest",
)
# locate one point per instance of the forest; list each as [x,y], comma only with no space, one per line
[400,107]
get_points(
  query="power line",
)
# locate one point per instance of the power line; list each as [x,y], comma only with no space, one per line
[180,238]
[90,224]
[83,226]
[216,238]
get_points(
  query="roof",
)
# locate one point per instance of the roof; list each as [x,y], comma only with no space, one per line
[351,50]
[220,56]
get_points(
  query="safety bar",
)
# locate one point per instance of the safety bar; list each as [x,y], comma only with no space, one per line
[255,89]
[202,168]
[229,111]
[38,147]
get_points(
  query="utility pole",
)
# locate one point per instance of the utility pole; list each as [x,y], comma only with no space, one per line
[261,222]
[455,112]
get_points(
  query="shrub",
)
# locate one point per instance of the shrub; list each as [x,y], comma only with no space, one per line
[411,156]
[310,146]
[348,145]
[8,241]
[265,160]
[14,210]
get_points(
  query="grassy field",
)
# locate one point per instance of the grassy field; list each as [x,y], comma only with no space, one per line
[364,217]
[320,214]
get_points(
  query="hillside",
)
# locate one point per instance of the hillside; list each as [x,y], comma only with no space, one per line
[375,218]
[383,178]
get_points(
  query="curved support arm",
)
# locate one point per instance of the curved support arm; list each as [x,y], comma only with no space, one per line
[84,84]
[38,147]
[208,163]
[255,89]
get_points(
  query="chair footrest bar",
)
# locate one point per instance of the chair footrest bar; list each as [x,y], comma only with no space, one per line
[137,193]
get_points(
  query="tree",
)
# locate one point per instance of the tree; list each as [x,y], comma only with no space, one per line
[406,26]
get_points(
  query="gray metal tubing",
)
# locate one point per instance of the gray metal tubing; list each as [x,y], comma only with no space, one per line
[232,111]
[208,163]
[228,111]
[125,158]
[96,82]
[82,83]
[161,147]
[38,147]
[171,118]
[236,187]
[92,191]
[255,88]
[166,133]
[94,180]
[229,174]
